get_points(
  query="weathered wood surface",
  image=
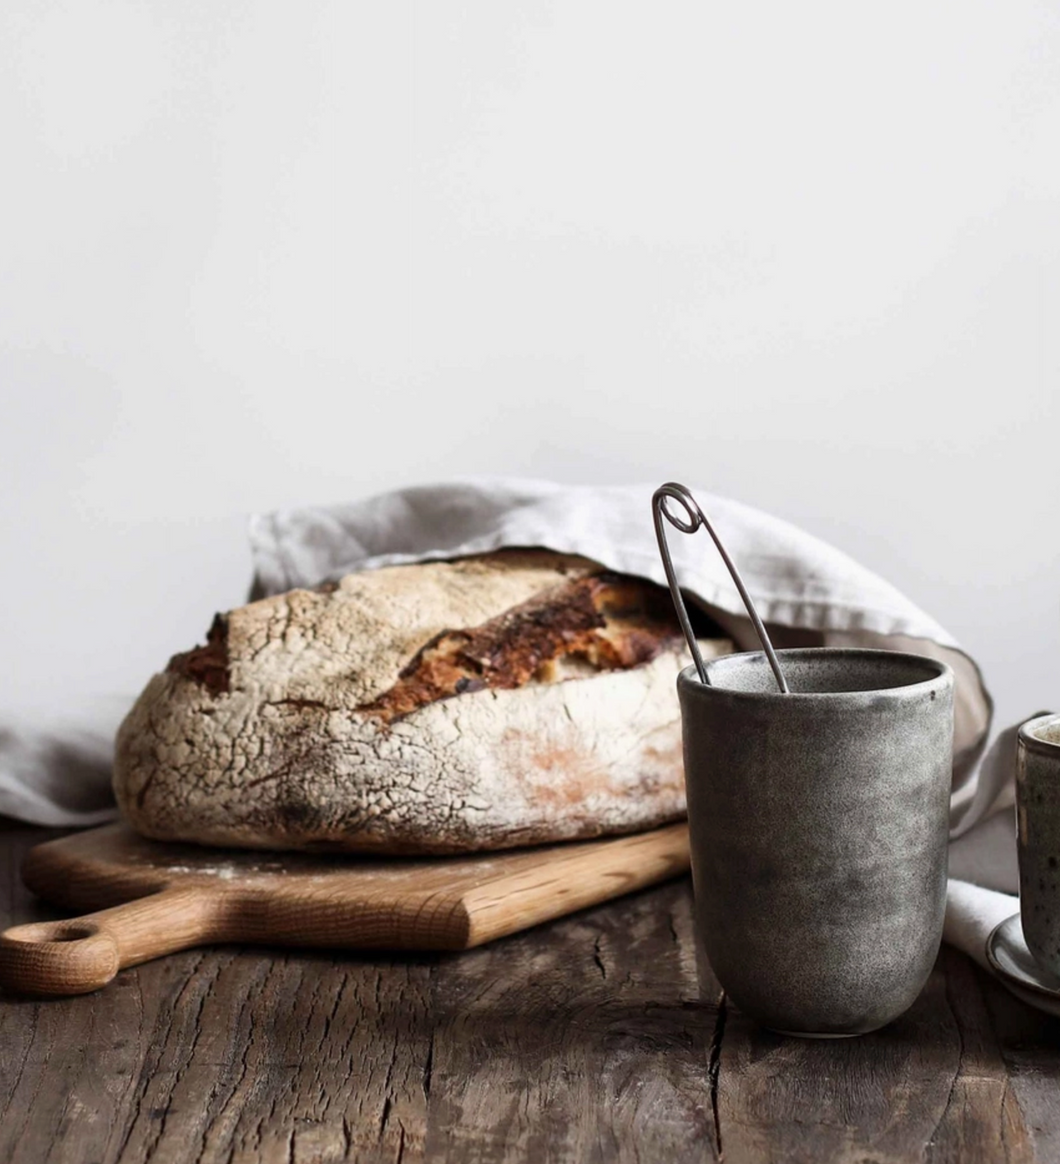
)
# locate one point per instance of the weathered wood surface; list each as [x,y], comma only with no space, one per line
[583,1040]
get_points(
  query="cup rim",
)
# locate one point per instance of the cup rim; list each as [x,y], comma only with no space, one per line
[688,678]
[1035,743]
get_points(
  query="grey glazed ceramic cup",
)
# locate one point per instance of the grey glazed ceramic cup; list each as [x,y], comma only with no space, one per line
[819,828]
[1038,813]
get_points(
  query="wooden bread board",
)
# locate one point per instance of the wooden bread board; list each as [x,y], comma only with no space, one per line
[154,898]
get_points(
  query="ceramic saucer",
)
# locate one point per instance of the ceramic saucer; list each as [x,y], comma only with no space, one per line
[1007,953]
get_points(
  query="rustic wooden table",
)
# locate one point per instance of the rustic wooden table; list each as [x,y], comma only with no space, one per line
[583,1040]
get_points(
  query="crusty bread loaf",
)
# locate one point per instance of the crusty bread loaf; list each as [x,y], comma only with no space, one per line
[512,698]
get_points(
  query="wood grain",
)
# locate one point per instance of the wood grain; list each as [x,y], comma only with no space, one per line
[930,1085]
[163,898]
[584,1039]
[590,1045]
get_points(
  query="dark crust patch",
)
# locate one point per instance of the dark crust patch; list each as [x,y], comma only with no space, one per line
[607,622]
[208,665]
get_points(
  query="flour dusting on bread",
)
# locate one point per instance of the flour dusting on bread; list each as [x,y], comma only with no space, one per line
[511,698]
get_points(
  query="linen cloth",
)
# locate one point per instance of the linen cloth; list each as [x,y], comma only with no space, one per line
[972,914]
[808,592]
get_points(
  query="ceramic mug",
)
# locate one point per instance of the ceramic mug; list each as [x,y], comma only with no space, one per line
[819,829]
[1038,814]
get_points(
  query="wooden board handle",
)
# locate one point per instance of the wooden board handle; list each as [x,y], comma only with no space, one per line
[81,954]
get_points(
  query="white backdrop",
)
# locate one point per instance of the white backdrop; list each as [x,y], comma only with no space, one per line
[257,254]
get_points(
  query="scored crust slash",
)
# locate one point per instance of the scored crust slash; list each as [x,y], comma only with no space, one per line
[602,622]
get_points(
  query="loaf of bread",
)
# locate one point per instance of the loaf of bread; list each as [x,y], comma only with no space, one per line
[512,698]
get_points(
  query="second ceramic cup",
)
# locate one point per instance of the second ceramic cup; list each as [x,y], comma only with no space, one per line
[819,824]
[1038,811]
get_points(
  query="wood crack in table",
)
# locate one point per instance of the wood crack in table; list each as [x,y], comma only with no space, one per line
[581,1040]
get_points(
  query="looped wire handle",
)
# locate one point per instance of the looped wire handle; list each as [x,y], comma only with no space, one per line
[695,517]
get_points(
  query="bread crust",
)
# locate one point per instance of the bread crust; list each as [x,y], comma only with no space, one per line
[513,698]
